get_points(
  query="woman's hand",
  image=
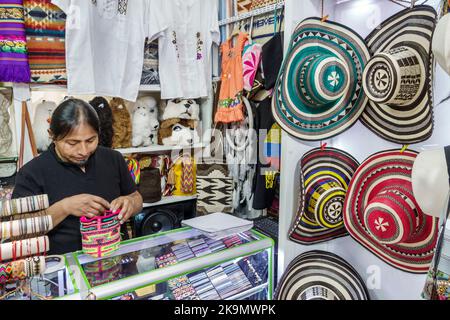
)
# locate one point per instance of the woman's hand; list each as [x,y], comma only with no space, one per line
[84,205]
[128,206]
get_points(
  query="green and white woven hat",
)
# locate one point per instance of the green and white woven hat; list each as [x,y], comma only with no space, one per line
[319,89]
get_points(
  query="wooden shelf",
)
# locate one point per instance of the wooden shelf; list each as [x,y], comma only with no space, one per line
[158,148]
[169,200]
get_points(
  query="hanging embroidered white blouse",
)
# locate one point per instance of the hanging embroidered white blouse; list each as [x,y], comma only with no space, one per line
[186,30]
[105,46]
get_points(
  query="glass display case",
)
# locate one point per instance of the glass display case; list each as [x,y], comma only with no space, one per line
[182,264]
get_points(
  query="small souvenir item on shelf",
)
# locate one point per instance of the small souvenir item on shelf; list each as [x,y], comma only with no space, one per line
[319,89]
[145,122]
[320,275]
[105,116]
[398,78]
[14,66]
[121,124]
[178,132]
[324,179]
[230,107]
[6,136]
[188,109]
[150,185]
[100,235]
[41,124]
[45,30]
[381,213]
[134,168]
[182,176]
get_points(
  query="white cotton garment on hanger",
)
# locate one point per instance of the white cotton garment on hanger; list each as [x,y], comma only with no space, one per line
[430,180]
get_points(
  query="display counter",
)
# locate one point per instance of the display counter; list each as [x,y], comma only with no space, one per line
[182,264]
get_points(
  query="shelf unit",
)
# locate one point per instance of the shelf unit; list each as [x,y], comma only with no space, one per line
[252,13]
[63,88]
[159,148]
[169,200]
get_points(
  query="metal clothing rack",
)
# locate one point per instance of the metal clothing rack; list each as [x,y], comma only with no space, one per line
[252,13]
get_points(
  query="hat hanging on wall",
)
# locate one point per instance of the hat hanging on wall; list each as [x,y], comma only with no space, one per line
[381,213]
[398,78]
[324,181]
[441,43]
[320,275]
[319,89]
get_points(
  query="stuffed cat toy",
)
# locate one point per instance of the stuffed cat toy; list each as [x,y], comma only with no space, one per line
[105,116]
[41,124]
[188,109]
[121,124]
[5,130]
[145,122]
[178,132]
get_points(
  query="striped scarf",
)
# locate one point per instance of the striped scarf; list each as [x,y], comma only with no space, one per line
[14,65]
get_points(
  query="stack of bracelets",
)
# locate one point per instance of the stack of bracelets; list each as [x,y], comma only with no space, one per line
[23,225]
[100,236]
[21,269]
[23,205]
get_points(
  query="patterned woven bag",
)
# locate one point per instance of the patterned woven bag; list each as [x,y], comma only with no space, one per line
[182,176]
[100,235]
[214,189]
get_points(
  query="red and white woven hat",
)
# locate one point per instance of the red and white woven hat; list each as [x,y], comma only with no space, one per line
[380,212]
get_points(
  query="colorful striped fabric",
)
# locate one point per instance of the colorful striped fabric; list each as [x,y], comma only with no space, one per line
[45,31]
[14,65]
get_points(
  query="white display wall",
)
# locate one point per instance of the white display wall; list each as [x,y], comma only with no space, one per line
[382,280]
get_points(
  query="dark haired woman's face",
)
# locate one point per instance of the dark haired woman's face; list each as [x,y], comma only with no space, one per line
[78,145]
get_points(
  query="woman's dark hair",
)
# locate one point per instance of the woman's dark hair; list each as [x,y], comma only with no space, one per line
[70,114]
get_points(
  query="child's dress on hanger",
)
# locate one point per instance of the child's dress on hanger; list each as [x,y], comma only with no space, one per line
[230,97]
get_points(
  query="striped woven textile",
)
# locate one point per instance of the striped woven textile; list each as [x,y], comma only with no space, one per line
[14,65]
[45,31]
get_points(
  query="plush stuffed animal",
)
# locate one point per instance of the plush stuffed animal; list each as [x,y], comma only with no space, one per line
[121,124]
[5,130]
[145,122]
[188,109]
[178,132]
[105,116]
[41,124]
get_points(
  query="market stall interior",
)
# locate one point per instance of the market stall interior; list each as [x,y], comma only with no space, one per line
[280,149]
